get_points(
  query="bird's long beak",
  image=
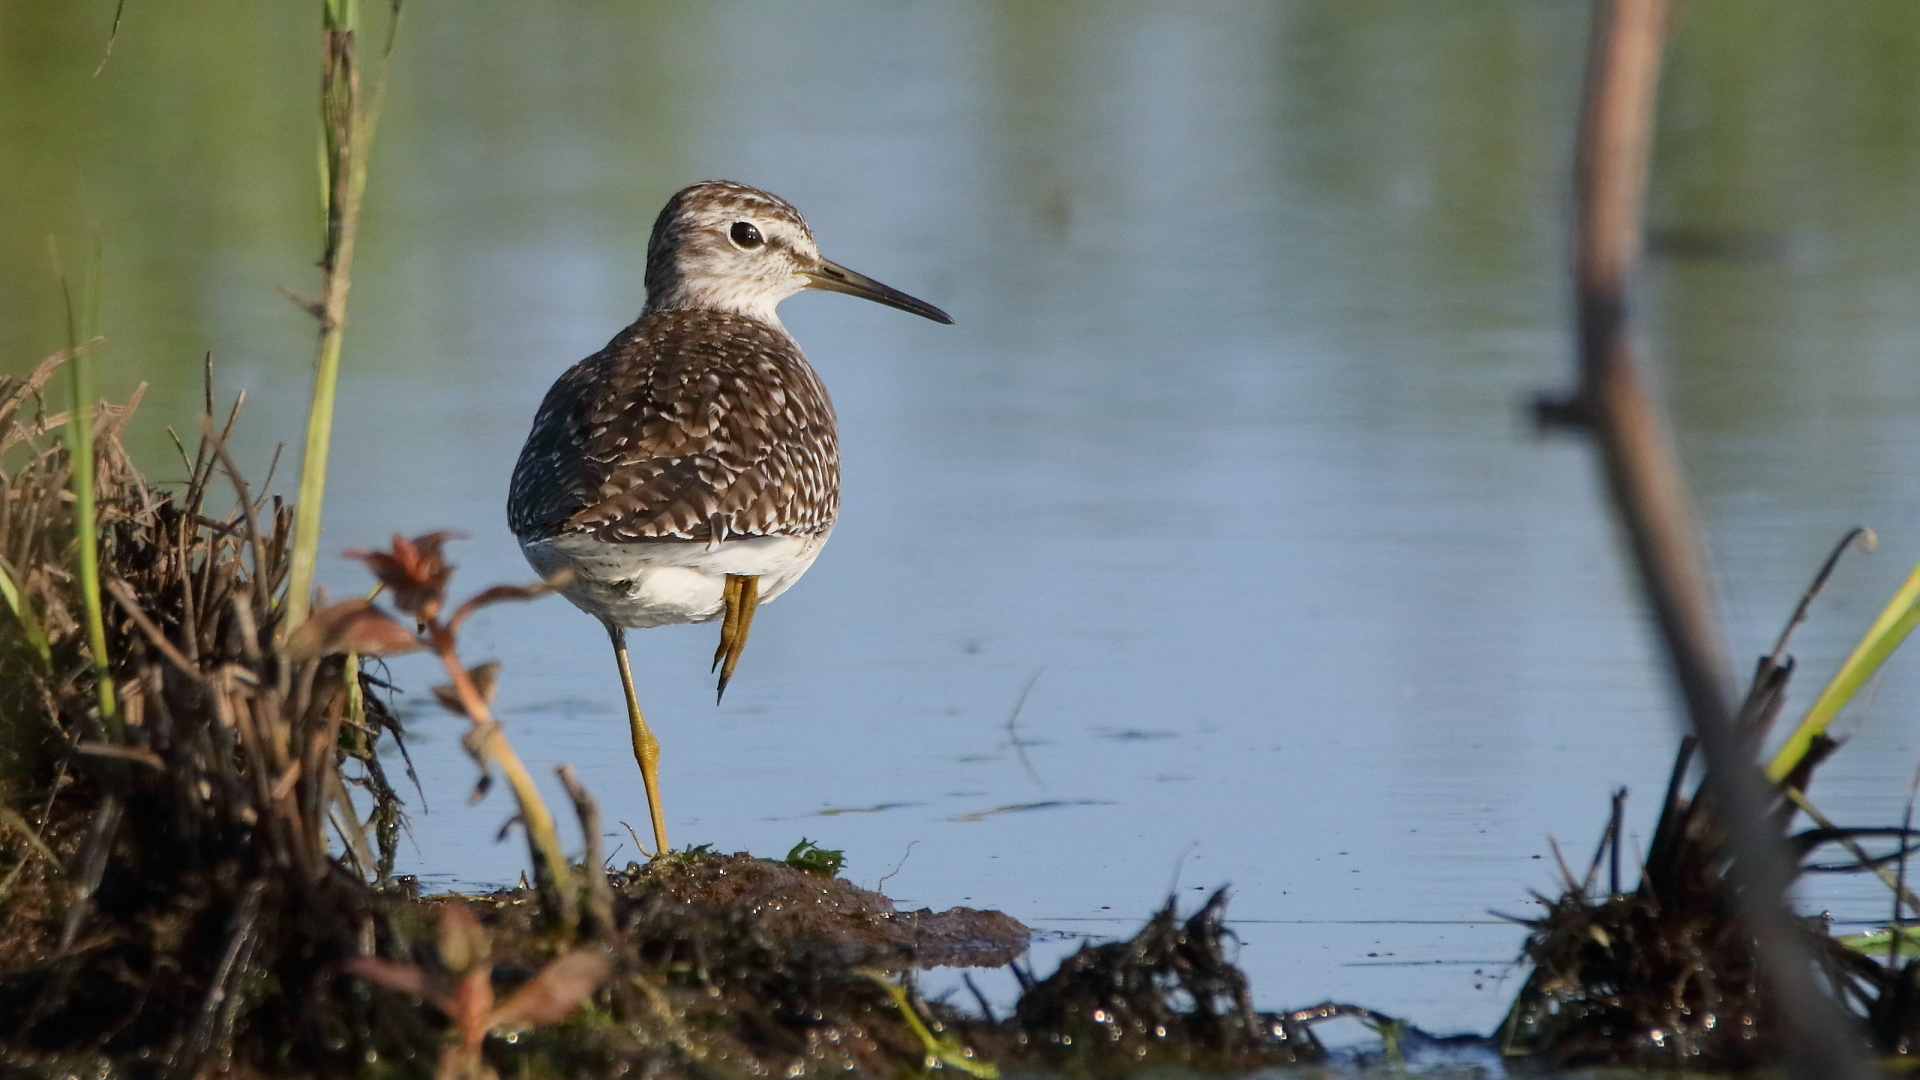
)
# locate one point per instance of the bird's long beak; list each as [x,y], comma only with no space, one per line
[833,277]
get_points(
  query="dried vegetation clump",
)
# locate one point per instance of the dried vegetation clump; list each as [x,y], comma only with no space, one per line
[1668,974]
[169,888]
[739,964]
[1663,976]
[1167,998]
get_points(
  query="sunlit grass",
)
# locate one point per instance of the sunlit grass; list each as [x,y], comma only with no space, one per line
[80,311]
[1894,623]
[348,117]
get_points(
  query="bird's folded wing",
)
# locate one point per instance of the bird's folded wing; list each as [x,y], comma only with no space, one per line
[690,426]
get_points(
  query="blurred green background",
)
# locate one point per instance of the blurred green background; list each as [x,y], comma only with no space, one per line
[188,156]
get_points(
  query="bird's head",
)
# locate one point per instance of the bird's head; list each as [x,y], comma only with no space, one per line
[729,247]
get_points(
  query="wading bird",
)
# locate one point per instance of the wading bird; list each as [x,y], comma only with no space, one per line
[690,470]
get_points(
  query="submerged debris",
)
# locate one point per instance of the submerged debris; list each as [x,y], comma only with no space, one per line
[1167,997]
[814,918]
[744,964]
[1629,980]
[1667,975]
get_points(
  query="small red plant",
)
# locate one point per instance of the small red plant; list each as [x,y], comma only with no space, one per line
[462,988]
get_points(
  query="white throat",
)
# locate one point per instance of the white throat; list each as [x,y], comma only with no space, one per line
[750,298]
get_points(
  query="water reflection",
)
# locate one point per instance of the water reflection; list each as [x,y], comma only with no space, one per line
[1208,546]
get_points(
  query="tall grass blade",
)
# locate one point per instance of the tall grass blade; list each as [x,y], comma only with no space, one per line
[17,825]
[113,35]
[79,439]
[1895,622]
[22,608]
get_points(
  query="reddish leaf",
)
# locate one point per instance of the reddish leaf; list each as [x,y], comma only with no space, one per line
[503,593]
[464,943]
[414,571]
[554,992]
[473,1005]
[373,632]
[351,626]
[478,742]
[486,679]
[405,978]
[462,1062]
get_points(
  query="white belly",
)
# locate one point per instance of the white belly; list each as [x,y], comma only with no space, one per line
[668,581]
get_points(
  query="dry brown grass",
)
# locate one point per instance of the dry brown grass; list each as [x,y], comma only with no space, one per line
[173,891]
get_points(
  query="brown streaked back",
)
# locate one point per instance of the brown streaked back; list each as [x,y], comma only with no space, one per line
[691,425]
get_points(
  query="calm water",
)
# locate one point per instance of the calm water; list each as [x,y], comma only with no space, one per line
[1223,469]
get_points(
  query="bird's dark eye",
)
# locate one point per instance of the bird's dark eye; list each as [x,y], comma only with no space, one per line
[745,235]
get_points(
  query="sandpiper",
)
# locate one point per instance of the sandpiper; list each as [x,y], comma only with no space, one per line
[690,470]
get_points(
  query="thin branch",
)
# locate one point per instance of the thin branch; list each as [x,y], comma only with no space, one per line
[1650,498]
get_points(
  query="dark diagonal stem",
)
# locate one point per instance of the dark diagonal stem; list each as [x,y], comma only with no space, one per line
[1650,497]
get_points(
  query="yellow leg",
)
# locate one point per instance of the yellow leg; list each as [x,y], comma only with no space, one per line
[646,748]
[742,597]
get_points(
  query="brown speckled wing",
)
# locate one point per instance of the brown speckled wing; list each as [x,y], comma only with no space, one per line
[687,425]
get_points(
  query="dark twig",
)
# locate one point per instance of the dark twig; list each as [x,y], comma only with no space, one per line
[980,999]
[1900,890]
[131,605]
[215,1022]
[1609,845]
[1619,821]
[93,864]
[1013,732]
[1858,534]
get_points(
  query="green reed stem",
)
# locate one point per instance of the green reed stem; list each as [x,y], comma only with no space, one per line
[86,522]
[347,121]
[943,1049]
[22,608]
